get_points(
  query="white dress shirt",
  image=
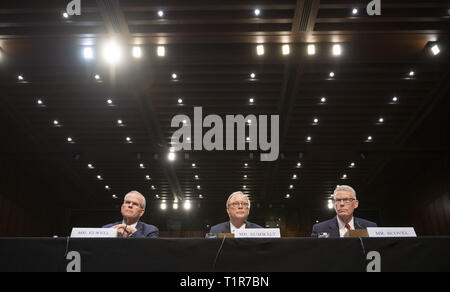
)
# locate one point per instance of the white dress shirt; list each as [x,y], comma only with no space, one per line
[234,228]
[342,229]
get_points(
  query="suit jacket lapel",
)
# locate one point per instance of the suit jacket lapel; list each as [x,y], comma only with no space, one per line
[334,228]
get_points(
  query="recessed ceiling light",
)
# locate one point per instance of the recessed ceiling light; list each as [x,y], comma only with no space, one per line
[120,122]
[161,51]
[309,138]
[260,50]
[163,206]
[332,74]
[381,120]
[337,50]
[196,176]
[90,166]
[299,164]
[257,12]
[369,139]
[352,165]
[287,196]
[291,187]
[251,100]
[180,100]
[137,52]
[20,78]
[187,205]
[97,77]
[160,13]
[128,139]
[316,121]
[294,176]
[285,50]
[147,177]
[246,164]
[107,187]
[174,76]
[65,15]
[323,100]
[171,156]
[99,177]
[199,187]
[141,165]
[193,164]
[412,73]
[395,99]
[114,196]
[88,53]
[252,75]
[435,50]
[311,50]
[344,176]
[112,52]
[39,102]
[355,11]
[69,139]
[55,122]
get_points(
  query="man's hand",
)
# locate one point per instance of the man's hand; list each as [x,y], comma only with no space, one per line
[124,231]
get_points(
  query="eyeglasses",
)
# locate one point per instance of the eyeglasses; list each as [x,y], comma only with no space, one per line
[237,204]
[345,201]
[134,204]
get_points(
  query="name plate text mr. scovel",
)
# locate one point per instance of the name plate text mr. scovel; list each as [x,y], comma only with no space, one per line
[391,232]
[94,233]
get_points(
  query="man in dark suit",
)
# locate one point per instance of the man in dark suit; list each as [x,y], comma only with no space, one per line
[238,209]
[133,208]
[345,202]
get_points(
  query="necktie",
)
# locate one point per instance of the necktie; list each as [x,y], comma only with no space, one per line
[347,226]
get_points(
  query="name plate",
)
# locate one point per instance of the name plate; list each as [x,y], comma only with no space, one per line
[94,233]
[391,232]
[258,233]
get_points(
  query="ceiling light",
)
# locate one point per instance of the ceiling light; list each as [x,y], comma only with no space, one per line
[299,165]
[355,11]
[286,50]
[180,100]
[174,76]
[193,164]
[161,51]
[199,187]
[257,12]
[65,15]
[395,99]
[147,177]
[330,204]
[20,78]
[39,102]
[323,100]
[260,50]
[97,77]
[114,196]
[332,74]
[109,101]
[252,75]
[352,165]
[381,120]
[337,50]
[246,164]
[69,139]
[294,176]
[196,176]
[88,53]
[137,52]
[128,139]
[90,166]
[316,121]
[435,50]
[55,122]
[171,156]
[187,205]
[308,138]
[412,73]
[311,50]
[287,196]
[291,187]
[160,13]
[107,187]
[163,206]
[344,176]
[99,177]
[112,52]
[251,100]
[120,122]
[369,139]
[200,196]
[153,187]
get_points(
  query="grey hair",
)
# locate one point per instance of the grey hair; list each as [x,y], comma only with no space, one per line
[235,194]
[144,203]
[345,188]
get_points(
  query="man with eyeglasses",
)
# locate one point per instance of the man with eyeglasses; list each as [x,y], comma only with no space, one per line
[345,202]
[238,209]
[133,208]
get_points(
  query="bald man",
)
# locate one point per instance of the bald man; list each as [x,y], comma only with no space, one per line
[238,209]
[133,208]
